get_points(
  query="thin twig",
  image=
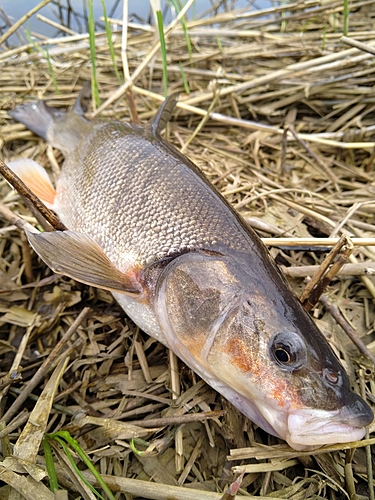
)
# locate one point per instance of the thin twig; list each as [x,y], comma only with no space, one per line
[359,45]
[25,192]
[330,266]
[15,219]
[335,313]
[45,368]
[178,419]
[321,163]
[370,479]
[360,269]
[314,242]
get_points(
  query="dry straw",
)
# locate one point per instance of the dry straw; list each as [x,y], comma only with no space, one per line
[280,117]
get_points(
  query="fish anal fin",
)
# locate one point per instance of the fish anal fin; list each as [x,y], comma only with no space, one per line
[78,256]
[164,113]
[36,179]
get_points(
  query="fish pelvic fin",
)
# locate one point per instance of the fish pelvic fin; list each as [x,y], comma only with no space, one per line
[36,179]
[163,115]
[78,256]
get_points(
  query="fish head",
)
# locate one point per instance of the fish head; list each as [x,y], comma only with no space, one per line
[261,350]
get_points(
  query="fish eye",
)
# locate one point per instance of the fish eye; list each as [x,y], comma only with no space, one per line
[288,350]
[282,354]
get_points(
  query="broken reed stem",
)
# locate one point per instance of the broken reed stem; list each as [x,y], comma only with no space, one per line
[348,473]
[10,378]
[360,269]
[156,491]
[178,419]
[314,242]
[21,418]
[335,313]
[326,272]
[28,195]
[370,479]
[44,369]
[176,392]
[365,279]
[321,163]
[15,219]
[358,45]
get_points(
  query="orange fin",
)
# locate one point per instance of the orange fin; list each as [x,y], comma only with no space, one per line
[78,256]
[36,179]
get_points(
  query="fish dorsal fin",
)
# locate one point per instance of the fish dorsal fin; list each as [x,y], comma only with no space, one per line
[163,115]
[79,106]
[78,256]
[36,179]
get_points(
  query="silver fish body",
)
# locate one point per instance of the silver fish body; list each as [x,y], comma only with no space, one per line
[188,270]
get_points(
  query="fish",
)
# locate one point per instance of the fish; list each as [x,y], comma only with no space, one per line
[145,224]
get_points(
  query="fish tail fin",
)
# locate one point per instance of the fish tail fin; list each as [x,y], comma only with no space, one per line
[163,115]
[36,179]
[37,117]
[62,129]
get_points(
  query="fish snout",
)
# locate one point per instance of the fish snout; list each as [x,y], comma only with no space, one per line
[357,413]
[317,427]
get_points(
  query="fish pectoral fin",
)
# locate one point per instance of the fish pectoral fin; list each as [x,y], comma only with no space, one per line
[36,179]
[78,256]
[163,115]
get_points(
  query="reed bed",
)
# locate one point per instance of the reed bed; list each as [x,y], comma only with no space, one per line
[277,108]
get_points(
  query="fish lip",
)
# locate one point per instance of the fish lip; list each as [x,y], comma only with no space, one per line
[313,428]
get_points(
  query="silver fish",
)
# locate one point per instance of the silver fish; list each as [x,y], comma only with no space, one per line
[147,225]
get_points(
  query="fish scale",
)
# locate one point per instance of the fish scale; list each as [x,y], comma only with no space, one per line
[144,223]
[154,206]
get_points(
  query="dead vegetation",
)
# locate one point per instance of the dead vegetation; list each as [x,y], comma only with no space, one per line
[280,117]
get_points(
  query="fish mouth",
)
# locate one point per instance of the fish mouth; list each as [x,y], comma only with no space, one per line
[313,428]
[304,428]
[310,428]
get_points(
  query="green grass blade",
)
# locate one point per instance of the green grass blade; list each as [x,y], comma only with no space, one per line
[51,72]
[219,44]
[74,465]
[184,79]
[346,17]
[94,79]
[110,42]
[50,466]
[163,50]
[62,436]
[47,56]
[177,6]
